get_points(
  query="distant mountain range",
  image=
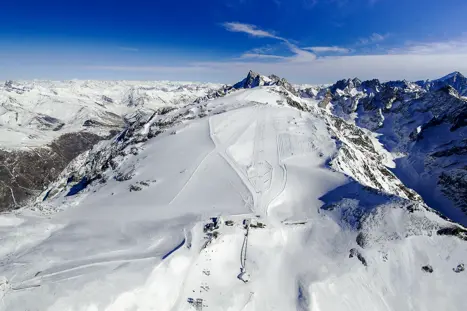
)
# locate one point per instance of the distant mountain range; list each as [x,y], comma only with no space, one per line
[422,122]
[254,196]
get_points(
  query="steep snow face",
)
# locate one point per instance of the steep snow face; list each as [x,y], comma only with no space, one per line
[231,204]
[34,113]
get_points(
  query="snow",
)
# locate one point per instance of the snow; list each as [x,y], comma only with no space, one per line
[9,220]
[74,102]
[250,161]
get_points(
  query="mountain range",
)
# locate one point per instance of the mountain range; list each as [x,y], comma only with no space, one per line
[261,195]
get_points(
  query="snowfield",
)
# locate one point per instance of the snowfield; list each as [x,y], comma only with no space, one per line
[235,208]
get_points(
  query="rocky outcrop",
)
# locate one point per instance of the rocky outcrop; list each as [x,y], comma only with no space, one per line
[252,80]
[25,173]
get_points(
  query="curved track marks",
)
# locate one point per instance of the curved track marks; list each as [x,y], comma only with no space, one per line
[265,176]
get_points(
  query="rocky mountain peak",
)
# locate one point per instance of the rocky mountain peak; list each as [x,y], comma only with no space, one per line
[252,80]
[346,84]
[454,79]
[452,76]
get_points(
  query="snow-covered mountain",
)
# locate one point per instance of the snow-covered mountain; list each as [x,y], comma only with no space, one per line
[34,113]
[424,128]
[256,196]
[45,124]
[455,80]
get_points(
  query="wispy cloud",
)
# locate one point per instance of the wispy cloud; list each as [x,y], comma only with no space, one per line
[327,49]
[458,45]
[374,38]
[261,56]
[252,30]
[129,49]
[321,70]
[413,60]
[300,55]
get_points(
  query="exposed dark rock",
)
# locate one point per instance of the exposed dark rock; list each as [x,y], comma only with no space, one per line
[135,188]
[124,176]
[24,174]
[460,268]
[354,252]
[453,184]
[454,231]
[107,99]
[92,123]
[362,240]
[428,269]
[253,79]
[455,150]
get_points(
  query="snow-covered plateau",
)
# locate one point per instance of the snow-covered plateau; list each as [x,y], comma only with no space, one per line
[256,196]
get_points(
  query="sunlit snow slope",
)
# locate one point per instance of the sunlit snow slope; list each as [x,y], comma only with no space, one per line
[235,210]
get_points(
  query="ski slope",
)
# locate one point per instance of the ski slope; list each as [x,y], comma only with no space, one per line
[261,171]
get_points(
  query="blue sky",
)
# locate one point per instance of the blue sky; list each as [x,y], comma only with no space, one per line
[306,41]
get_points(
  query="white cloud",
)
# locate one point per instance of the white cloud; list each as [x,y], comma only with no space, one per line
[320,70]
[262,56]
[252,30]
[375,37]
[327,49]
[412,61]
[332,68]
[441,47]
[300,55]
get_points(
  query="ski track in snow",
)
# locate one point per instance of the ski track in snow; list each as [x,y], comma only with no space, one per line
[266,164]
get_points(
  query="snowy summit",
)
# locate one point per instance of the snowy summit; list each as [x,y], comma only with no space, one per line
[256,196]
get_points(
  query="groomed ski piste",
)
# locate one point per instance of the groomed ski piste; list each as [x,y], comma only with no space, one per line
[238,210]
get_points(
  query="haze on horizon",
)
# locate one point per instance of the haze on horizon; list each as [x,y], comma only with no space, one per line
[306,41]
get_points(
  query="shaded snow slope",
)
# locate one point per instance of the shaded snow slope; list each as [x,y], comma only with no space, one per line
[231,204]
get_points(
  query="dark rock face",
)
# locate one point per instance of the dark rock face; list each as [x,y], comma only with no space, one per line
[427,269]
[252,80]
[361,240]
[453,184]
[460,268]
[24,174]
[355,253]
[453,231]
